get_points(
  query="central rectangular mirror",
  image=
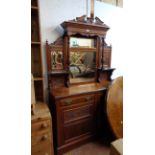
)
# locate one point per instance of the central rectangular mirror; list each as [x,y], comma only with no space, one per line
[82,66]
[57,60]
[82,42]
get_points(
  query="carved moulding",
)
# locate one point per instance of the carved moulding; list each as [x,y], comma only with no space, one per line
[85,26]
[84,19]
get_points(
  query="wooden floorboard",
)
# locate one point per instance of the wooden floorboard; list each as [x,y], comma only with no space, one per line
[93,148]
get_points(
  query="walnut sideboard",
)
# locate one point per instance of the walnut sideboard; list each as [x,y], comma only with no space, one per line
[79,71]
[74,112]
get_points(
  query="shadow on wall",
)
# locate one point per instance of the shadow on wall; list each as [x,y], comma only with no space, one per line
[59,30]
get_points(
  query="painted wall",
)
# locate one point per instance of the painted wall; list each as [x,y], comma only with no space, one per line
[113,17]
[54,12]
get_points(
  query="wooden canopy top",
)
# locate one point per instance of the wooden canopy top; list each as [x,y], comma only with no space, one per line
[85,25]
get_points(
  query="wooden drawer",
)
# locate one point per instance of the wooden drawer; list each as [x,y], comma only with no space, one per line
[77,100]
[43,149]
[41,138]
[78,113]
[42,153]
[40,127]
[75,130]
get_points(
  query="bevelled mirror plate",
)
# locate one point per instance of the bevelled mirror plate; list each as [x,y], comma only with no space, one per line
[82,42]
[82,66]
[57,60]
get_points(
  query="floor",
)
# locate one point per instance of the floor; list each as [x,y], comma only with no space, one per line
[93,148]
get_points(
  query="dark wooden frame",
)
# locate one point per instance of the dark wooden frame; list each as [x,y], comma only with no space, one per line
[84,28]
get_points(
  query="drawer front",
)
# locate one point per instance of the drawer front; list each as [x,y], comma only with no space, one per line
[40,127]
[41,153]
[76,130]
[77,100]
[46,137]
[78,113]
[44,149]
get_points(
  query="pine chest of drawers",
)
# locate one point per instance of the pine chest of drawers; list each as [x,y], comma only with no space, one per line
[74,112]
[41,131]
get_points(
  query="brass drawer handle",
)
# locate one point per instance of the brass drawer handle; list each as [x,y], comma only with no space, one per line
[68,101]
[88,98]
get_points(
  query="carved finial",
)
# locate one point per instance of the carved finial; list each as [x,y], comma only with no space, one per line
[81,19]
[90,20]
[98,21]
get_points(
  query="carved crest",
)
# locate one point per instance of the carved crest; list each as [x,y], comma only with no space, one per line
[98,21]
[88,20]
[81,19]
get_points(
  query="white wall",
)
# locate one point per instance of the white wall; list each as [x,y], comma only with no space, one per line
[54,12]
[113,17]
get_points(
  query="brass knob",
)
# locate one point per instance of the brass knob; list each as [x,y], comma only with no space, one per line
[44,125]
[45,137]
[46,154]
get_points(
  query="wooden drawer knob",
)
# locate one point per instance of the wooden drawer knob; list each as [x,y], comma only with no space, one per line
[44,125]
[46,154]
[45,137]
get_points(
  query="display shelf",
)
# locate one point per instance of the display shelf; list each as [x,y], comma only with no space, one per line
[80,49]
[36,56]
[38,78]
[58,72]
[35,42]
[34,7]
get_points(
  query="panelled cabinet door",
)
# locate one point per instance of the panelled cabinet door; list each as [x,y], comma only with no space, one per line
[76,118]
[56,60]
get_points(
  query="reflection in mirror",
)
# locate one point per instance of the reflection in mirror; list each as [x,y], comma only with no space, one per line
[82,42]
[57,60]
[82,66]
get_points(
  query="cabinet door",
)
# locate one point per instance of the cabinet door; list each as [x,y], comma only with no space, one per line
[76,118]
[78,130]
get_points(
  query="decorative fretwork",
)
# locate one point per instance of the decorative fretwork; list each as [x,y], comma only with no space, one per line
[89,20]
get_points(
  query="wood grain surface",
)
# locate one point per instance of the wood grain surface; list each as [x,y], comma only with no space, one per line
[115,106]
